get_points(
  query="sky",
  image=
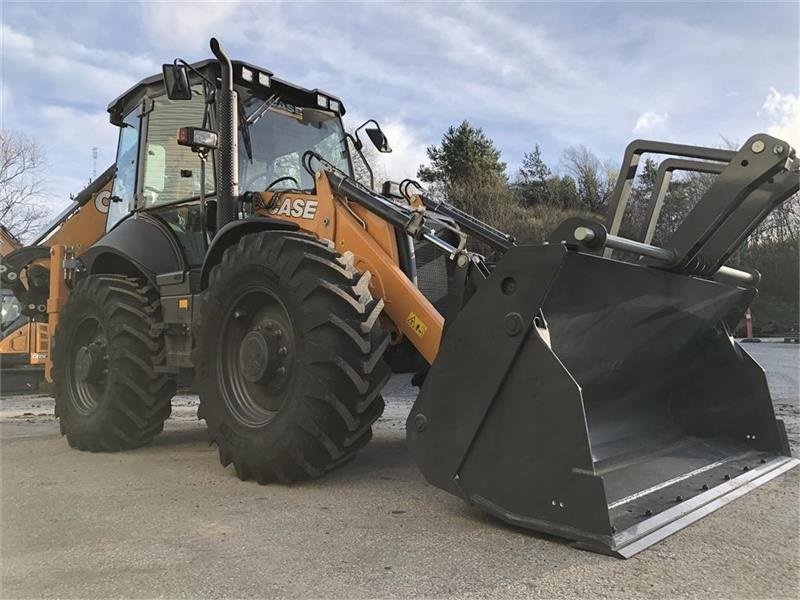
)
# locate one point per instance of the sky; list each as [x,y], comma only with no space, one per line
[556,75]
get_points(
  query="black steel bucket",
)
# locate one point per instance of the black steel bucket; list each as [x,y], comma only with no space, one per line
[597,400]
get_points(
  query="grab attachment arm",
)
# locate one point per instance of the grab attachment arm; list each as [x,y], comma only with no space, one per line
[588,236]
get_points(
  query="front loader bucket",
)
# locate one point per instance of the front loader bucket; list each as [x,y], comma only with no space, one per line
[600,401]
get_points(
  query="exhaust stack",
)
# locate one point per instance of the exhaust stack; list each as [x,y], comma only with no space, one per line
[228,152]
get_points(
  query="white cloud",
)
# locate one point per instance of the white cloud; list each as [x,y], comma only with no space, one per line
[783,111]
[407,143]
[71,70]
[189,25]
[408,150]
[650,121]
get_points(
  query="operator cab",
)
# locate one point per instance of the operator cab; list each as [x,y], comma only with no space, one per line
[278,123]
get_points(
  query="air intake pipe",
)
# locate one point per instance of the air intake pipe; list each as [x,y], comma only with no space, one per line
[227,153]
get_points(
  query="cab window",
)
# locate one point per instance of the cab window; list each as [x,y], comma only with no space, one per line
[124,188]
[171,172]
[11,311]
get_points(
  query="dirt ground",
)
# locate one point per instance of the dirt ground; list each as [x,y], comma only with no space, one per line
[167,521]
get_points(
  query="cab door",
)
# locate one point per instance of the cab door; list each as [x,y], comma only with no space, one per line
[123,193]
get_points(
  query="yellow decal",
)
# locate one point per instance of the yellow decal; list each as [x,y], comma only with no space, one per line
[416,324]
[183,303]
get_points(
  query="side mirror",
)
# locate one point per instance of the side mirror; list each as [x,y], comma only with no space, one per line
[378,139]
[176,82]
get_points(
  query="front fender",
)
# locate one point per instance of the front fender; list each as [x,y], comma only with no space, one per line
[232,232]
[138,246]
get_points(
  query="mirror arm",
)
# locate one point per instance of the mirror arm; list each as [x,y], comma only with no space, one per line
[195,71]
[364,124]
[358,145]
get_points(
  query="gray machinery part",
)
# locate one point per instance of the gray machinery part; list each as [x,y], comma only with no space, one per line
[603,401]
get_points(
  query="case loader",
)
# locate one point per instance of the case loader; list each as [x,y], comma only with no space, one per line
[564,389]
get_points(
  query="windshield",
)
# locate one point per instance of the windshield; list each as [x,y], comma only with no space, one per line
[280,137]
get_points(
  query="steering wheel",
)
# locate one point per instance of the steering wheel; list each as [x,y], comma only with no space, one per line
[285,178]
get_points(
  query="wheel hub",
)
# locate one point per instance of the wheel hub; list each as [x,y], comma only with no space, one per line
[262,356]
[90,362]
[254,356]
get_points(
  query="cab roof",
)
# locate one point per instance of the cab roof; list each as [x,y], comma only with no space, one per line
[154,85]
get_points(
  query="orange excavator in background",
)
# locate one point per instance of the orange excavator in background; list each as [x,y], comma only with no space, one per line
[25,276]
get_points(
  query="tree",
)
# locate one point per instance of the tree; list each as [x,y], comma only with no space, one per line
[640,198]
[465,153]
[594,178]
[21,183]
[534,179]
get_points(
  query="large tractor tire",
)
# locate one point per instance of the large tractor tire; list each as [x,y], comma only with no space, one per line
[108,393]
[288,357]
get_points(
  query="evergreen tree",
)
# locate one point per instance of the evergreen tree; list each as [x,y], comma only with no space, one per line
[534,179]
[464,154]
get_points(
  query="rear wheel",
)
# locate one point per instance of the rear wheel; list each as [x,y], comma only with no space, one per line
[288,357]
[108,394]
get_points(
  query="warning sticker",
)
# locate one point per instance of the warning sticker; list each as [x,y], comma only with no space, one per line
[416,324]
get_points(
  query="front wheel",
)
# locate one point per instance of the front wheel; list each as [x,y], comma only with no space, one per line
[288,357]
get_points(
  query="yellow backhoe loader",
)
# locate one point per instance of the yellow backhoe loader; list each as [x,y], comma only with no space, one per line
[593,396]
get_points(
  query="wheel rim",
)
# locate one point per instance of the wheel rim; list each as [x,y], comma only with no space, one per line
[255,362]
[87,373]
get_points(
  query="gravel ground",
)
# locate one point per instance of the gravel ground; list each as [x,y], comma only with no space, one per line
[167,521]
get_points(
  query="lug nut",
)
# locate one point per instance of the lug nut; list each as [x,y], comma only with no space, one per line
[281,371]
[283,350]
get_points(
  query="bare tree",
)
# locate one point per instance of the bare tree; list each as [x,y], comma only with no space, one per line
[594,178]
[21,184]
